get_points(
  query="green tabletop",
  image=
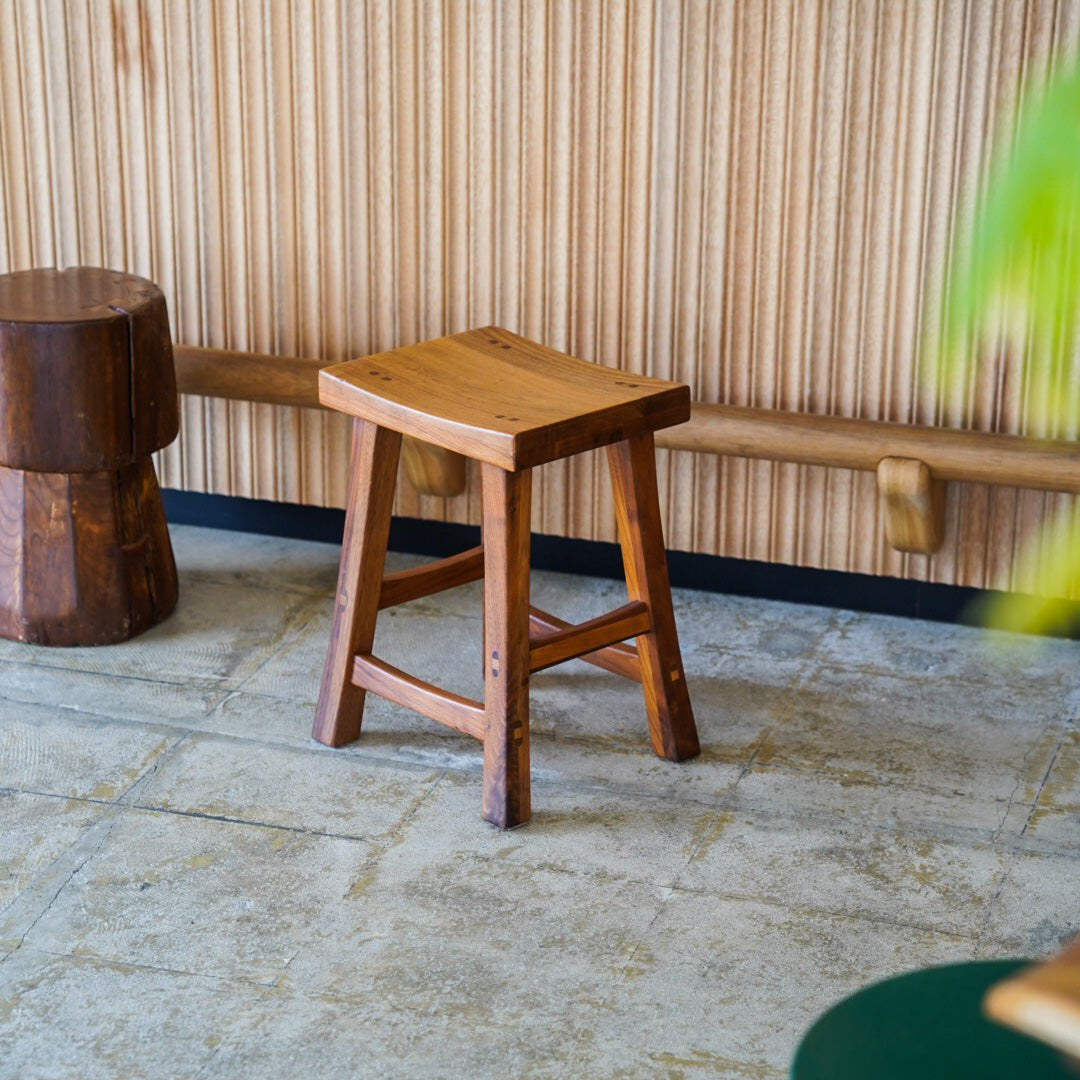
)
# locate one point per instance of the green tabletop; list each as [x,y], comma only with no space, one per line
[926,1025]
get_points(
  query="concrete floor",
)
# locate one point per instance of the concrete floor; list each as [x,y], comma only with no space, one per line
[190,887]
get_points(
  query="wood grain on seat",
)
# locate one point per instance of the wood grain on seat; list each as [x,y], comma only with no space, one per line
[502,399]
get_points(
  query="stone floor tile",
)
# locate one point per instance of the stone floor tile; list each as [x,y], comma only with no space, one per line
[35,830]
[631,768]
[881,804]
[954,736]
[392,733]
[268,562]
[217,634]
[574,830]
[68,1017]
[1061,788]
[776,677]
[625,766]
[142,699]
[60,752]
[914,647]
[904,878]
[1035,912]
[1041,829]
[296,672]
[598,757]
[873,795]
[463,1036]
[726,987]
[314,790]
[750,627]
[284,720]
[201,896]
[476,932]
[1014,826]
[441,648]
[578,700]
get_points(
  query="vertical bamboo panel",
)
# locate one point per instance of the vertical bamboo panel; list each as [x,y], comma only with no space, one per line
[758,197]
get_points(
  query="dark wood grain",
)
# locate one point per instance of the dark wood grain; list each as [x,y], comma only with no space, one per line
[86,372]
[85,558]
[87,394]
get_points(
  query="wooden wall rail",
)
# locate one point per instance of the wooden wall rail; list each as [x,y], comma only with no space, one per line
[912,462]
[292,380]
[951,453]
[909,459]
[247,376]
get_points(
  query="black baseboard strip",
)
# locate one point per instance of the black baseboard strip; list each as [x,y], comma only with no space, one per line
[712,573]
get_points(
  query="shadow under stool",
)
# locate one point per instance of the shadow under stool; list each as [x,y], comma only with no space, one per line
[511,405]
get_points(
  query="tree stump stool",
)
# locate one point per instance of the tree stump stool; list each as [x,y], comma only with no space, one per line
[87,394]
[511,405]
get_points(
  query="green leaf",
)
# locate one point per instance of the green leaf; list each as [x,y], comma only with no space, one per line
[1016,285]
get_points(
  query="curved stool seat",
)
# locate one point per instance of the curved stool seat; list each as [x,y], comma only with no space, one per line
[496,397]
[511,405]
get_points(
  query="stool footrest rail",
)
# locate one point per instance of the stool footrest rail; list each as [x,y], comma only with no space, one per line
[431,578]
[460,713]
[553,646]
[618,659]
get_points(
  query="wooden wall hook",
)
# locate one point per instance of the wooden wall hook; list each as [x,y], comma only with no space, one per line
[914,503]
[431,469]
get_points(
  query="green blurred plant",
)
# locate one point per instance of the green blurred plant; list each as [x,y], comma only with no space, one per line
[1016,285]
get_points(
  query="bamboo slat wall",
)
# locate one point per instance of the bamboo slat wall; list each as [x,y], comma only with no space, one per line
[753,196]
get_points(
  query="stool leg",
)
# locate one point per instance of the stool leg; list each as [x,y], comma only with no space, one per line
[637,507]
[372,472]
[507,508]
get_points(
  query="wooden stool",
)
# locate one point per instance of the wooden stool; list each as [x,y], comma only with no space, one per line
[512,405]
[87,394]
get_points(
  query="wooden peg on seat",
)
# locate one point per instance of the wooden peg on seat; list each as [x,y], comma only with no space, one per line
[914,504]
